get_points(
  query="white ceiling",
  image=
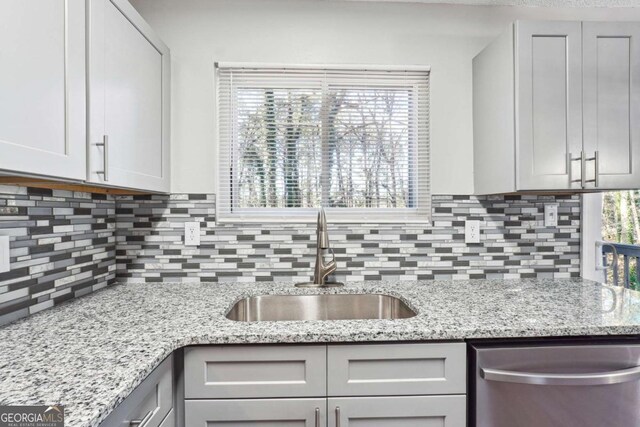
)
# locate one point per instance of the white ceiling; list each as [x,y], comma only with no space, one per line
[532,3]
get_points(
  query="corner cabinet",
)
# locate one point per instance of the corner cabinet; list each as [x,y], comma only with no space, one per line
[337,385]
[151,404]
[129,75]
[42,88]
[554,104]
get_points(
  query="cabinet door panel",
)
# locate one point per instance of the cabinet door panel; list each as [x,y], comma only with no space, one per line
[42,88]
[256,413]
[611,56]
[128,99]
[255,371]
[133,97]
[548,104]
[396,369]
[406,411]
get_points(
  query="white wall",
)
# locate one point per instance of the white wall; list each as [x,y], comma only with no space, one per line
[446,37]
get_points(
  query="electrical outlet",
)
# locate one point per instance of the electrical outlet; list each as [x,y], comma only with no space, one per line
[472,231]
[4,254]
[192,233]
[551,215]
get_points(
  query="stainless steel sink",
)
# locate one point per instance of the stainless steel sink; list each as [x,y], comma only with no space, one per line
[319,307]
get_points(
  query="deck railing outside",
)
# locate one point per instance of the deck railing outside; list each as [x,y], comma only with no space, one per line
[627,269]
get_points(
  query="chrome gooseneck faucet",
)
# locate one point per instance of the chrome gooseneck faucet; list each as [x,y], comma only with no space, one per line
[322,268]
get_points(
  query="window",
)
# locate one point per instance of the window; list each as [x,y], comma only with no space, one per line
[621,227]
[294,139]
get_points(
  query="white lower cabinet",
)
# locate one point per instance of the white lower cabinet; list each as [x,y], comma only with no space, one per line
[397,411]
[256,412]
[394,411]
[150,404]
[342,385]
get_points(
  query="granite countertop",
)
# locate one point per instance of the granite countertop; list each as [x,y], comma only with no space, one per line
[89,354]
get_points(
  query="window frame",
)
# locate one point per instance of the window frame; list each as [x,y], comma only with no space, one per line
[422,178]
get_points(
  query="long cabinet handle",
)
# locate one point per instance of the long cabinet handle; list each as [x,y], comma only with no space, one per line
[576,159]
[583,170]
[596,160]
[317,417]
[582,379]
[337,416]
[105,165]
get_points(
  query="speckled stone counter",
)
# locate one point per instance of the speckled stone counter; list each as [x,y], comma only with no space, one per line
[91,353]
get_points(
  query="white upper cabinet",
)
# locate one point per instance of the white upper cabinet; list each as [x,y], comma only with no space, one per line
[42,88]
[549,99]
[129,69]
[611,91]
[554,103]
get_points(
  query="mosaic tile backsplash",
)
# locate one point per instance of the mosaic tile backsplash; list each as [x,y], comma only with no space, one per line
[62,246]
[514,243]
[67,244]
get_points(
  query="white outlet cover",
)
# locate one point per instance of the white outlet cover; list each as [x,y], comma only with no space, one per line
[472,231]
[551,215]
[5,264]
[192,233]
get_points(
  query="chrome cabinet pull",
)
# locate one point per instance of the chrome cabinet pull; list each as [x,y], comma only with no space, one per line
[105,148]
[596,162]
[337,416]
[141,422]
[317,417]
[583,170]
[580,159]
[582,379]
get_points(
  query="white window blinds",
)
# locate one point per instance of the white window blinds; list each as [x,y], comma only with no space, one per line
[294,139]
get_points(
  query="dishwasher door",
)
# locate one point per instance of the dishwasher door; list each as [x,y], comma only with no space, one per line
[564,386]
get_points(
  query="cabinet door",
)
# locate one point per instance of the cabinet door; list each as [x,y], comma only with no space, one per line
[128,99]
[256,413]
[406,411]
[42,88]
[611,56]
[548,104]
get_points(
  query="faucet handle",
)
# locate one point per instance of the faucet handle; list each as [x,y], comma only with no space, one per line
[331,266]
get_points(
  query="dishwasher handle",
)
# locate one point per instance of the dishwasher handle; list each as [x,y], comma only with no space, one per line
[581,379]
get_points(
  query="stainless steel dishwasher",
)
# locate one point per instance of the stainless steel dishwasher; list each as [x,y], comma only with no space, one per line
[555,385]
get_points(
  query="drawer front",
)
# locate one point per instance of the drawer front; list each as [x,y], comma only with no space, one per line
[255,371]
[149,404]
[256,413]
[396,369]
[400,411]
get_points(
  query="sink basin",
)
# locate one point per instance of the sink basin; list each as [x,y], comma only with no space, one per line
[319,307]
